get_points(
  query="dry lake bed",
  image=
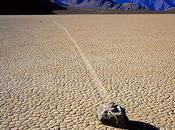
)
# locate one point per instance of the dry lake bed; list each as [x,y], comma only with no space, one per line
[56,69]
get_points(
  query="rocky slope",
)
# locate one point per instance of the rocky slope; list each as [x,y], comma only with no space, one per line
[155,5]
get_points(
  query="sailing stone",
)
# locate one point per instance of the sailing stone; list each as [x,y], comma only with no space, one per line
[113,115]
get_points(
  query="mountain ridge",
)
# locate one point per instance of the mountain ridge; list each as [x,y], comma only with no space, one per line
[153,5]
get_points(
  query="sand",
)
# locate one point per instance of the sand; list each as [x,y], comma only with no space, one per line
[55,70]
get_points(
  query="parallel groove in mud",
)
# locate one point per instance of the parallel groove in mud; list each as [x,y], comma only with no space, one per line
[98,84]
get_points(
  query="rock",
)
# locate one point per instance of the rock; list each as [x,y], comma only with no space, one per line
[113,115]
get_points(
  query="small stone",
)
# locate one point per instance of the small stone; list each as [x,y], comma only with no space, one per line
[113,115]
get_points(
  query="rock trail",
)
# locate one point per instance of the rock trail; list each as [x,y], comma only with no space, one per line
[101,88]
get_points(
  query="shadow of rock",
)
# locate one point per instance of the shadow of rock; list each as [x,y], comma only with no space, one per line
[137,125]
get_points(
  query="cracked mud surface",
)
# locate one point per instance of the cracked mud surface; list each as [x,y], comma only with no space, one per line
[44,83]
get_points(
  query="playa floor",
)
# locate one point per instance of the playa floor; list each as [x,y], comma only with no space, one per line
[55,70]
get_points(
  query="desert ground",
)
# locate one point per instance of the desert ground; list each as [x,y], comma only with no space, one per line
[56,69]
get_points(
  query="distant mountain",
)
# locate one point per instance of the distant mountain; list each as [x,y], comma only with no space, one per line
[28,7]
[155,5]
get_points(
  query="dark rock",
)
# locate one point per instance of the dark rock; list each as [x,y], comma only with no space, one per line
[113,115]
